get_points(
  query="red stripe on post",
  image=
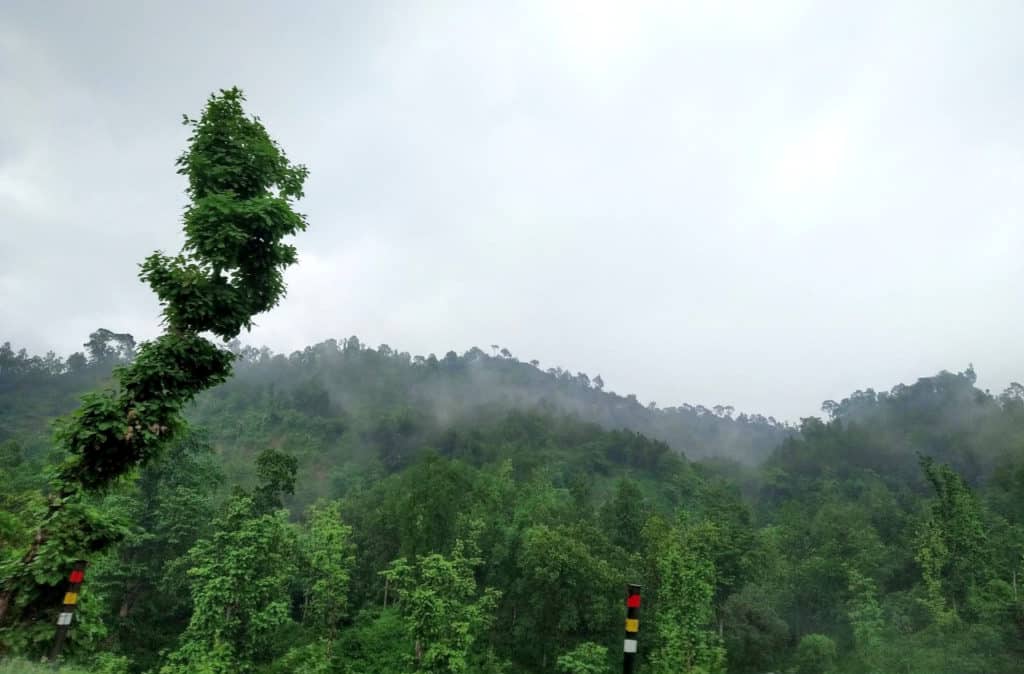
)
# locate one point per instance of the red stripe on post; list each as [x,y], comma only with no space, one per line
[633,601]
[77,576]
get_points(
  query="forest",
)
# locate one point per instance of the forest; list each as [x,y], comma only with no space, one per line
[354,509]
[192,504]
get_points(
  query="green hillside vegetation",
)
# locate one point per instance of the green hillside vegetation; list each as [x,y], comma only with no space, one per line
[347,509]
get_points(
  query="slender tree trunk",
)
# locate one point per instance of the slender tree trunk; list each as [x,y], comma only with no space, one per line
[128,600]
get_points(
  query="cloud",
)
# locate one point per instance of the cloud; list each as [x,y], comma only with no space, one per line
[762,204]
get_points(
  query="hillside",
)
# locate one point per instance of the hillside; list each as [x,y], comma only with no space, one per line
[384,391]
[361,510]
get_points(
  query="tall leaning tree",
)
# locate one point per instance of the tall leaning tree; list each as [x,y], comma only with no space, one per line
[241,188]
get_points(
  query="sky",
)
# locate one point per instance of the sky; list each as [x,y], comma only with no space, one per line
[762,204]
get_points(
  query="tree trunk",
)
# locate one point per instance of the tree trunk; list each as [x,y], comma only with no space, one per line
[126,608]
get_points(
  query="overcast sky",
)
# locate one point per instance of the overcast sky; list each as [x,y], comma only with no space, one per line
[764,204]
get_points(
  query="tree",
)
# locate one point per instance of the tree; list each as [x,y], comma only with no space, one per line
[276,473]
[684,604]
[565,591]
[105,347]
[240,579]
[330,556]
[624,515]
[241,186]
[172,507]
[816,654]
[446,615]
[952,549]
[586,658]
[755,636]
[866,619]
[76,362]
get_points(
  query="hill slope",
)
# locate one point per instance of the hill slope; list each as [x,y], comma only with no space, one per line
[368,501]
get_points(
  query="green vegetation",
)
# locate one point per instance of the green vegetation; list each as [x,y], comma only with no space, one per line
[241,188]
[329,522]
[23,667]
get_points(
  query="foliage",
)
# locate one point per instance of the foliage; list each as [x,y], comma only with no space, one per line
[586,658]
[276,472]
[241,187]
[843,552]
[446,616]
[688,645]
[329,557]
[172,506]
[26,667]
[866,620]
[79,529]
[240,578]
[755,637]
[816,654]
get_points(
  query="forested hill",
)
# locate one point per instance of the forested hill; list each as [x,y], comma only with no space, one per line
[944,417]
[394,393]
[342,401]
[402,396]
[355,510]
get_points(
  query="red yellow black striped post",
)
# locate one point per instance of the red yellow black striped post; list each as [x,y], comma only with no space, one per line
[629,648]
[67,610]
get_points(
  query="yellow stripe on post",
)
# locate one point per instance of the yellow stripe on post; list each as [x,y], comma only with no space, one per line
[632,625]
[71,598]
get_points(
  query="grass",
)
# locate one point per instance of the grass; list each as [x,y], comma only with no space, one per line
[26,667]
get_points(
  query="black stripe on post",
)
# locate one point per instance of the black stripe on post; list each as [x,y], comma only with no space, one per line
[629,645]
[67,610]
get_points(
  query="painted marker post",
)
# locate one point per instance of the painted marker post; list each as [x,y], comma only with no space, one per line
[67,610]
[629,646]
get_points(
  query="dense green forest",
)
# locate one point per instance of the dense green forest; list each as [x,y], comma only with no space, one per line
[354,509]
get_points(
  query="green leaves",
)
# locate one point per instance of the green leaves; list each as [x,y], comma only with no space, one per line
[446,615]
[330,557]
[816,654]
[241,185]
[586,658]
[240,578]
[684,603]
